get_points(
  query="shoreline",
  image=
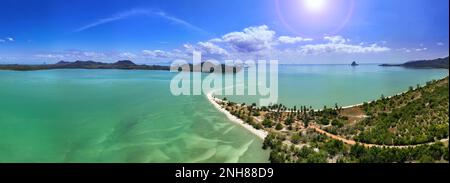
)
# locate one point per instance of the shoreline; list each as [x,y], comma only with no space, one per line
[388,97]
[262,134]
[259,133]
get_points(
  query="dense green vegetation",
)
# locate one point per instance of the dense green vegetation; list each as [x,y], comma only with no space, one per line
[418,118]
[321,149]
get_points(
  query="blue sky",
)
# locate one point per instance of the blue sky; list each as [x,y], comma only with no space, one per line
[158,31]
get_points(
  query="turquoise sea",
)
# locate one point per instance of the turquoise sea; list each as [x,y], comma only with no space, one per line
[320,85]
[131,116]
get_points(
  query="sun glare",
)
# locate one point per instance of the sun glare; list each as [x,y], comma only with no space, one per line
[314,5]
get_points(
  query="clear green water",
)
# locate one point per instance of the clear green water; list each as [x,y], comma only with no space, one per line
[113,116]
[131,116]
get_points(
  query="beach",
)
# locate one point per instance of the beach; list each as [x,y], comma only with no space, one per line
[259,133]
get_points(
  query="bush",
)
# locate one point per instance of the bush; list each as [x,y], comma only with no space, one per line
[316,158]
[249,120]
[337,123]
[267,123]
[334,147]
[257,126]
[324,121]
[296,138]
[426,159]
[279,126]
[289,121]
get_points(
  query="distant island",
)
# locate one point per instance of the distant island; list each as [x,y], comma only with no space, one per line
[436,63]
[354,63]
[225,68]
[122,65]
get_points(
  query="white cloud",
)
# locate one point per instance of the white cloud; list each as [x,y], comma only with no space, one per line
[75,55]
[91,54]
[208,49]
[251,39]
[157,54]
[139,12]
[9,58]
[256,42]
[335,39]
[50,56]
[405,50]
[421,49]
[211,49]
[7,39]
[260,42]
[180,22]
[338,44]
[127,55]
[341,48]
[215,40]
[292,40]
[113,18]
[440,44]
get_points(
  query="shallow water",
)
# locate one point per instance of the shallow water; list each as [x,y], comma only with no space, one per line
[319,85]
[113,116]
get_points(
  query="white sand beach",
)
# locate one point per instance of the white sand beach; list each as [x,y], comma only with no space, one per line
[259,133]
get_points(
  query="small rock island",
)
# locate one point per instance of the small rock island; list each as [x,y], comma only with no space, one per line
[354,63]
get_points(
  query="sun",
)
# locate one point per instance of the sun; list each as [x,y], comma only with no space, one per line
[314,18]
[315,5]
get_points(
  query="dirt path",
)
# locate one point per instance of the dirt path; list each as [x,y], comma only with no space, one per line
[262,133]
[352,142]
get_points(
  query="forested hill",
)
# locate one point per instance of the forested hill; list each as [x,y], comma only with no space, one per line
[122,65]
[436,63]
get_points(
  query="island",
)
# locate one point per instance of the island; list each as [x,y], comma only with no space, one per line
[440,63]
[354,63]
[121,65]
